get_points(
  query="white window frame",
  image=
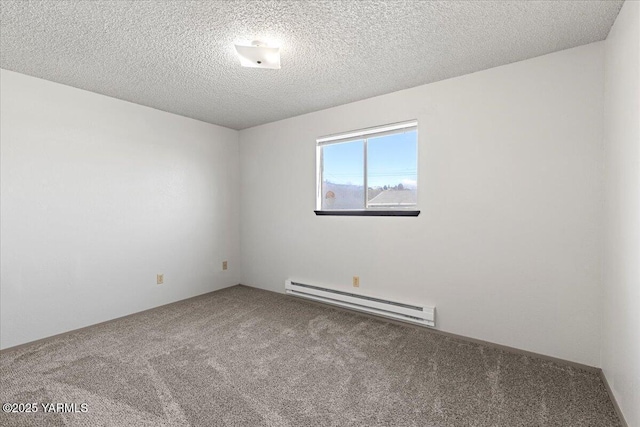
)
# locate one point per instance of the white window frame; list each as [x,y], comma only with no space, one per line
[363,134]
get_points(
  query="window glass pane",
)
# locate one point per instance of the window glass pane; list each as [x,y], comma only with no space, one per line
[343,176]
[392,170]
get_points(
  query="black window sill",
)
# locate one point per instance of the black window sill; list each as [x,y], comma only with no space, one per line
[369,213]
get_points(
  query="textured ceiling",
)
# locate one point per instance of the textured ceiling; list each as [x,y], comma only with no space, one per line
[178,56]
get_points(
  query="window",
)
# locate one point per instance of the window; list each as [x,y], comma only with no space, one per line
[369,172]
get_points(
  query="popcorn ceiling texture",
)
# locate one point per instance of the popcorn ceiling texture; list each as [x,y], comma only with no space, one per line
[178,56]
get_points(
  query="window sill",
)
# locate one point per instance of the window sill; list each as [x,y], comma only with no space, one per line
[369,213]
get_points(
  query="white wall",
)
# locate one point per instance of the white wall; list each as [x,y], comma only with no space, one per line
[99,195]
[508,242]
[621,273]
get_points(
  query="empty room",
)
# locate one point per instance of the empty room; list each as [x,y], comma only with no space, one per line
[320,213]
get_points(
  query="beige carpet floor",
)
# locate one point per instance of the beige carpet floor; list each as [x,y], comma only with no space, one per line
[245,357]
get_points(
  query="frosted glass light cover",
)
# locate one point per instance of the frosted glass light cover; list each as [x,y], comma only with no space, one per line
[259,56]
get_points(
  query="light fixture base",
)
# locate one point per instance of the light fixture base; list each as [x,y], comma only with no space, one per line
[258,55]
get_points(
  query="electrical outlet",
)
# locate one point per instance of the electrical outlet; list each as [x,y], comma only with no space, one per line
[160,279]
[224,265]
[356,281]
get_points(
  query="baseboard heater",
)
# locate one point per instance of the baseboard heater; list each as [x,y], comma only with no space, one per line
[421,315]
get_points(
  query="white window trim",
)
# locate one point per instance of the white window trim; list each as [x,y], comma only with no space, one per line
[358,134]
[354,136]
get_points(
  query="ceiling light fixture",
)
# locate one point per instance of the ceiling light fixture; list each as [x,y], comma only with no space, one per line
[258,55]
